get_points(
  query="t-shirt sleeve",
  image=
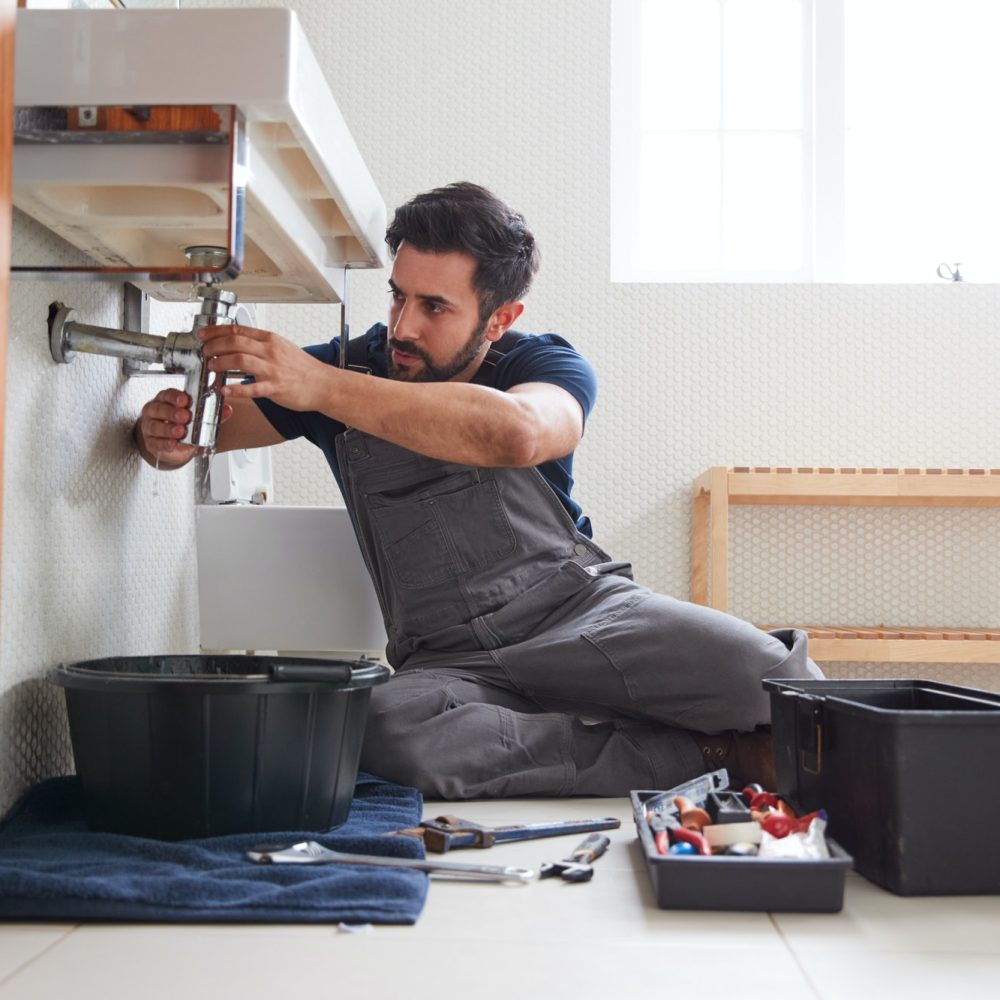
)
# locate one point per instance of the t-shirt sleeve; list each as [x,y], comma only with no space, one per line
[552,360]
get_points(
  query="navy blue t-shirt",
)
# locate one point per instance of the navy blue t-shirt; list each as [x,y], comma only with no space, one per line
[534,358]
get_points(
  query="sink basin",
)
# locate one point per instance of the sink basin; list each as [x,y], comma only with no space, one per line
[311,207]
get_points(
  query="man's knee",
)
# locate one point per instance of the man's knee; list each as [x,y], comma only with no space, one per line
[397,715]
[418,725]
[390,741]
[796,662]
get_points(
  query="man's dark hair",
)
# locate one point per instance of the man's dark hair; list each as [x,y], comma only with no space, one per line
[466,218]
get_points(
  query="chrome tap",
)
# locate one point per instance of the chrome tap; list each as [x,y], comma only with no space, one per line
[179,352]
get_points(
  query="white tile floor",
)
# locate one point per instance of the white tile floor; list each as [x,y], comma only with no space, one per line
[552,939]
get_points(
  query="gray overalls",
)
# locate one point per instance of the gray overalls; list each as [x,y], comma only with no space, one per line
[528,662]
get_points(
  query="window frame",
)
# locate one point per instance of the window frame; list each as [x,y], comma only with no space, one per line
[822,139]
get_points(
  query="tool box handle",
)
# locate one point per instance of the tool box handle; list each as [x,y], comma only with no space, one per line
[808,731]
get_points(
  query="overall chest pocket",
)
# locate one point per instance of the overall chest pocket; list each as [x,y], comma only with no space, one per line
[433,532]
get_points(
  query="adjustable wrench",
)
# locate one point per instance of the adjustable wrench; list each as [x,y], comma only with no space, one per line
[309,852]
[577,867]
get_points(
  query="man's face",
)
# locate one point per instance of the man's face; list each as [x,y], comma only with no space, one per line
[435,331]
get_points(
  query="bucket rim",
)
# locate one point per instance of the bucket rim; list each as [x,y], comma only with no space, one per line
[271,675]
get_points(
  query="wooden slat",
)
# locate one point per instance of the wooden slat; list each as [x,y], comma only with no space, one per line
[886,632]
[904,651]
[866,487]
[900,645]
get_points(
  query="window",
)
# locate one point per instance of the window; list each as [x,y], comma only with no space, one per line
[798,140]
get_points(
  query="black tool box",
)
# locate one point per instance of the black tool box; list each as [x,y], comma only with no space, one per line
[906,769]
[722,882]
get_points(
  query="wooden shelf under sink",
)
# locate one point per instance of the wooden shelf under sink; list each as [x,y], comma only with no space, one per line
[720,486]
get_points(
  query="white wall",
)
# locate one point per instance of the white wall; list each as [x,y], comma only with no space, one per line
[97,549]
[514,95]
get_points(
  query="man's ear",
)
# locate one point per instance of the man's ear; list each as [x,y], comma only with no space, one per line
[503,319]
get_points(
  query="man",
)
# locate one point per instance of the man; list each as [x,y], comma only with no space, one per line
[527,661]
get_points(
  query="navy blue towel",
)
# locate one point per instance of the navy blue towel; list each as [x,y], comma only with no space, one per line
[53,867]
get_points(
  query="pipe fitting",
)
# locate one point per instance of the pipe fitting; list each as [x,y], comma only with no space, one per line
[180,352]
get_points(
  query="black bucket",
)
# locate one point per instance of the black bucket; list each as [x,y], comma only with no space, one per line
[175,747]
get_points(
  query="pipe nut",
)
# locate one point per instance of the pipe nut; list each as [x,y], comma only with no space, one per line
[59,344]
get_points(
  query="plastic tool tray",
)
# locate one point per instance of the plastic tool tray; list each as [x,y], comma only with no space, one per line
[725,882]
[906,770]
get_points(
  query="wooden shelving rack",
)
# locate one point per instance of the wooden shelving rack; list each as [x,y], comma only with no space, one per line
[719,487]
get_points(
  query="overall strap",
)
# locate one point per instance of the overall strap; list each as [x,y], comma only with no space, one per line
[503,346]
[357,354]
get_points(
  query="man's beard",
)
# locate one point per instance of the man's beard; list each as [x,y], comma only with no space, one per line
[431,372]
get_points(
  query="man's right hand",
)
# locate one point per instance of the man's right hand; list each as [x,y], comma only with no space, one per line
[162,423]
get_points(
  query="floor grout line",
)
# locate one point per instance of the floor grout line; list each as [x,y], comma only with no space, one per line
[795,957]
[5,980]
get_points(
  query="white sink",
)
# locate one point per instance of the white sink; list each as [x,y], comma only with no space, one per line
[284,578]
[312,208]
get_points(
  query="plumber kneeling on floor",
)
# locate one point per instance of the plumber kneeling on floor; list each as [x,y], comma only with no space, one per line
[527,660]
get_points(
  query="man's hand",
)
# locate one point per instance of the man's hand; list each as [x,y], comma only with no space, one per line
[530,424]
[282,372]
[162,423]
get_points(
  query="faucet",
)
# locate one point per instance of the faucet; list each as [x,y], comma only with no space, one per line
[179,352]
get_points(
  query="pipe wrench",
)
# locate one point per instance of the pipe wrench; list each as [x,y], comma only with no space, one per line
[446,832]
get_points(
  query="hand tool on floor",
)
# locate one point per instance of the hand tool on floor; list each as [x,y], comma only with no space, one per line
[310,852]
[445,832]
[577,867]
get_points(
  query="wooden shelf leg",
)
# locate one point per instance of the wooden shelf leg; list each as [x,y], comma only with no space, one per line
[719,530]
[699,546]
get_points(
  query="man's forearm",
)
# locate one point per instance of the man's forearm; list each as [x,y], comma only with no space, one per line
[454,421]
[450,420]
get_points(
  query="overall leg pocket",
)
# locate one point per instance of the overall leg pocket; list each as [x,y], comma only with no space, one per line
[626,648]
[579,660]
